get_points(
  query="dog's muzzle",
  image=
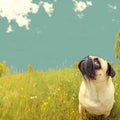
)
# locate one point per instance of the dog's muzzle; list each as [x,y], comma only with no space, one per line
[86,67]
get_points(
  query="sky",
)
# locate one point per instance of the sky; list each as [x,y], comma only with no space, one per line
[56,33]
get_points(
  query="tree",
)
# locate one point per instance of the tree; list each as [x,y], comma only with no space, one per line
[117,46]
[4,70]
[30,68]
[75,65]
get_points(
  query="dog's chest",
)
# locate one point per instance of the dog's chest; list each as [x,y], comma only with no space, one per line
[95,98]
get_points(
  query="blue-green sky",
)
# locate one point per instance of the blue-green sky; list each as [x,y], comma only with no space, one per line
[67,32]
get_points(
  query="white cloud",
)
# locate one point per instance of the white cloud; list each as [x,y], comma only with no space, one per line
[89,3]
[48,7]
[116,20]
[19,10]
[9,29]
[113,7]
[81,15]
[80,6]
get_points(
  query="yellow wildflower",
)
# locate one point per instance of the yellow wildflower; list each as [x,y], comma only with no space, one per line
[49,98]
[116,93]
[58,88]
[22,88]
[45,103]
[7,98]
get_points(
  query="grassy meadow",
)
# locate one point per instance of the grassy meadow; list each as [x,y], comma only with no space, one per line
[49,95]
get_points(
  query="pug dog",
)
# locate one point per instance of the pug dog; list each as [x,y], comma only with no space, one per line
[96,94]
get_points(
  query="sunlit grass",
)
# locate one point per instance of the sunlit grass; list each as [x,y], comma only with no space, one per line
[51,95]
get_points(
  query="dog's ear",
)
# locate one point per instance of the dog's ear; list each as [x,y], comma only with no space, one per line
[79,65]
[110,70]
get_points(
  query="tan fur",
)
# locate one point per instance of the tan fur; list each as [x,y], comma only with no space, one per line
[97,96]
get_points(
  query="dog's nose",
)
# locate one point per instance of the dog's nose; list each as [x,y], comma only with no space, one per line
[88,61]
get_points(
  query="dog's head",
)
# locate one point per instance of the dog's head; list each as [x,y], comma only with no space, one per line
[93,68]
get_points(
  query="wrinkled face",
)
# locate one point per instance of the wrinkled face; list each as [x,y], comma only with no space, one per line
[93,67]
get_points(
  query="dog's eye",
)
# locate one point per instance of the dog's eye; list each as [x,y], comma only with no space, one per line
[96,60]
[97,63]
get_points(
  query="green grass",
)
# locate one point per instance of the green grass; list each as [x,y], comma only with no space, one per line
[51,95]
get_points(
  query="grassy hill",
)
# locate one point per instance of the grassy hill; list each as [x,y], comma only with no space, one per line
[50,95]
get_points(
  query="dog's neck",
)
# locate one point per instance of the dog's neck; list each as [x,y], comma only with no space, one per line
[97,84]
